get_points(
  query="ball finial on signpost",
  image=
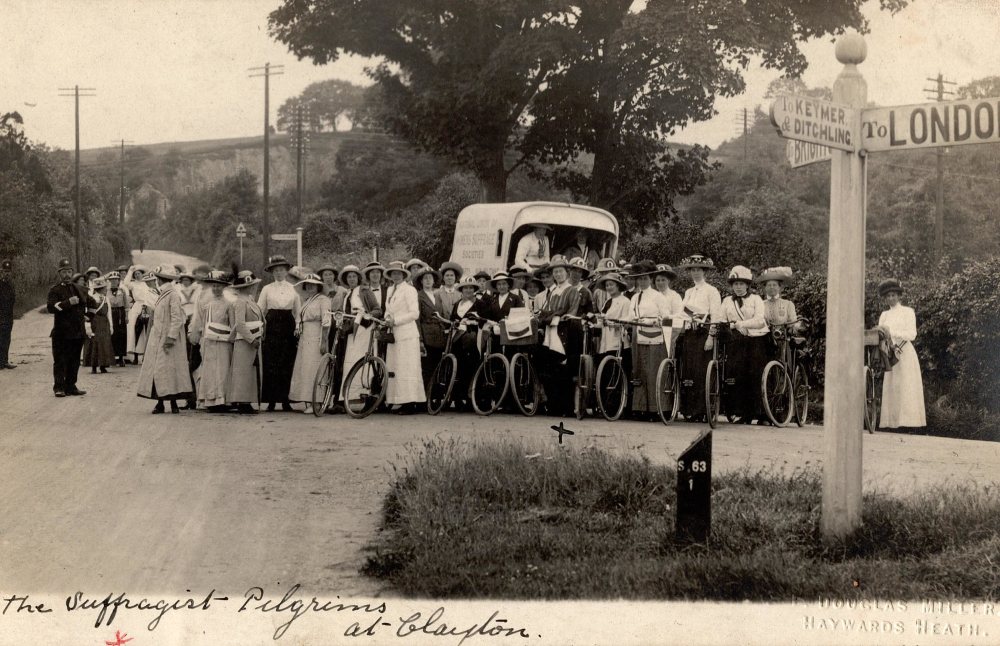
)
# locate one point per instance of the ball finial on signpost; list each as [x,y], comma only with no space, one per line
[851,49]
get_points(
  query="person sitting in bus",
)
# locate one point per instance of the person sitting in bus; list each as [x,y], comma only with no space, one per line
[468,313]
[747,350]
[583,249]
[533,249]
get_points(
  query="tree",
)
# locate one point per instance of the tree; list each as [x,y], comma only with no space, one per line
[325,102]
[984,88]
[500,84]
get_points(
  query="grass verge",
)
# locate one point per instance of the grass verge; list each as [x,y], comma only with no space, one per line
[477,519]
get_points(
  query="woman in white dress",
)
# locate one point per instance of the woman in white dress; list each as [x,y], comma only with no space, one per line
[313,330]
[359,307]
[902,388]
[402,357]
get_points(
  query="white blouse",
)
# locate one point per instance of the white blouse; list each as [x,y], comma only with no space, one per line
[749,318]
[674,302]
[704,299]
[901,321]
[649,303]
[279,295]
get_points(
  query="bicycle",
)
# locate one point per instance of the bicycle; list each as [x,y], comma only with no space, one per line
[324,386]
[492,378]
[372,375]
[584,386]
[715,373]
[611,381]
[784,384]
[668,384]
[525,389]
[442,380]
[874,374]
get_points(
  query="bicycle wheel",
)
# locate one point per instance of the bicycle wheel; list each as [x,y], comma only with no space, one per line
[713,393]
[441,384]
[584,385]
[368,377]
[871,403]
[668,399]
[323,386]
[776,392]
[612,388]
[524,385]
[489,384]
[800,388]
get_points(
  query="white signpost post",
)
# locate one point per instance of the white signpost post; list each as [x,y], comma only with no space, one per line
[845,132]
[241,232]
[297,236]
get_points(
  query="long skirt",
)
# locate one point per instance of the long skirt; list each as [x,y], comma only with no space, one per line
[338,345]
[307,361]
[402,359]
[213,373]
[429,361]
[119,338]
[98,352]
[278,352]
[693,364]
[903,393]
[646,360]
[746,357]
[357,347]
[467,353]
[243,383]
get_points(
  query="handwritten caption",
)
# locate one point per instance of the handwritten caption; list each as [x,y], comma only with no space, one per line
[375,618]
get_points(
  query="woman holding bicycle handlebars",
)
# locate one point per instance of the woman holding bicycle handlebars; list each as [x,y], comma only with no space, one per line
[360,305]
[748,348]
[649,348]
[402,356]
[468,312]
[554,370]
[432,339]
[703,304]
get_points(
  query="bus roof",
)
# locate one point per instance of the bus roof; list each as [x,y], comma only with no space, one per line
[514,215]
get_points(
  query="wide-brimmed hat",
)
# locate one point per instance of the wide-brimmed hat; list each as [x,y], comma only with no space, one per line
[519,269]
[696,261]
[414,261]
[122,269]
[216,278]
[468,281]
[423,271]
[397,265]
[76,276]
[149,277]
[643,268]
[92,270]
[537,281]
[201,271]
[482,274]
[666,270]
[310,279]
[182,276]
[372,266]
[299,272]
[277,261]
[780,274]
[65,264]
[544,269]
[606,265]
[349,269]
[559,260]
[627,270]
[581,264]
[113,275]
[740,273]
[165,272]
[889,285]
[454,266]
[614,277]
[327,267]
[99,283]
[245,279]
[501,275]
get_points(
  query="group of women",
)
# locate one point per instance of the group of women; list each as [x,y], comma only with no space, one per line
[268,347]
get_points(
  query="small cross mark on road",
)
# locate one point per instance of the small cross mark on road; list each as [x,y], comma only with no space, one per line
[561,430]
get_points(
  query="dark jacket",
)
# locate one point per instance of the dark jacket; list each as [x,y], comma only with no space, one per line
[368,300]
[69,319]
[496,312]
[7,299]
[479,306]
[431,332]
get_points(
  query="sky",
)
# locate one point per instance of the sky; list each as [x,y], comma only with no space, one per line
[176,70]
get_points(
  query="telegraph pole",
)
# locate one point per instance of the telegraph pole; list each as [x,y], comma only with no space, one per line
[300,139]
[76,94]
[267,71]
[938,93]
[121,190]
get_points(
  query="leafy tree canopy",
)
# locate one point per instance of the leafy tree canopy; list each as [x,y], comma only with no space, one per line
[324,102]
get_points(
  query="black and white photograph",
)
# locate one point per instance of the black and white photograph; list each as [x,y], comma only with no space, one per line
[506,322]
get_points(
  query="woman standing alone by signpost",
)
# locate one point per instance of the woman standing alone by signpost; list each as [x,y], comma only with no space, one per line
[902,388]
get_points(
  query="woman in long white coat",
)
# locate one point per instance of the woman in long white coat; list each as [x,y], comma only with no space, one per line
[164,374]
[211,328]
[402,358]
[902,388]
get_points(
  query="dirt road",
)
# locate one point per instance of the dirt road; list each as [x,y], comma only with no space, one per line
[98,491]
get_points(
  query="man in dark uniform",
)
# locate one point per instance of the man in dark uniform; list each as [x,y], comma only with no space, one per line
[69,305]
[6,312]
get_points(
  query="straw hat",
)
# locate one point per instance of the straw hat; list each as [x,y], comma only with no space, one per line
[501,275]
[349,269]
[696,261]
[310,279]
[558,260]
[581,264]
[780,274]
[468,282]
[454,266]
[423,271]
[643,268]
[245,279]
[373,265]
[889,285]
[544,269]
[327,267]
[113,275]
[614,277]
[414,262]
[99,283]
[277,261]
[149,278]
[165,272]
[482,274]
[739,273]
[397,265]
[92,270]
[519,269]
[606,265]
[666,270]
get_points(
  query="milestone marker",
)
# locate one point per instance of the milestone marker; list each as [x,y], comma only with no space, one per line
[693,522]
